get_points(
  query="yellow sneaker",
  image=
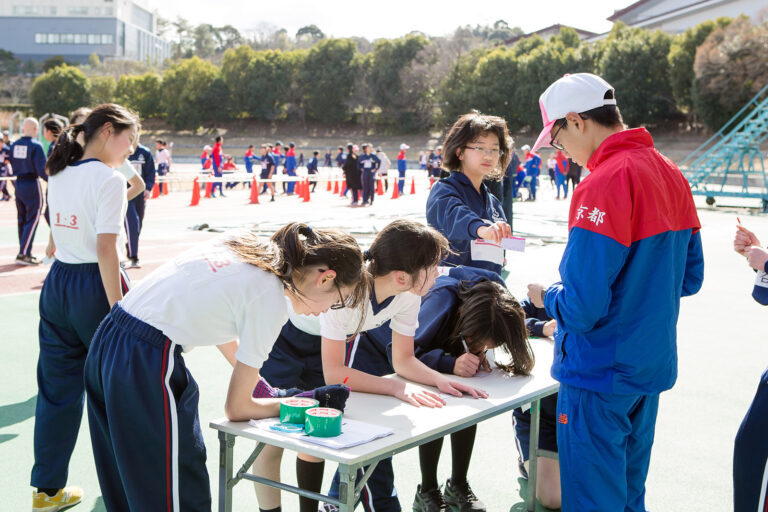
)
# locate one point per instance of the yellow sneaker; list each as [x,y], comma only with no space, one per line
[64,499]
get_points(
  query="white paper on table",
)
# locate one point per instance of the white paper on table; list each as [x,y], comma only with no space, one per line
[485,250]
[353,433]
[513,243]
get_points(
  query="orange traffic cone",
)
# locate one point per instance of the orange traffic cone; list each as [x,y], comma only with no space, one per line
[208,189]
[335,186]
[396,189]
[155,191]
[413,185]
[306,191]
[328,186]
[165,188]
[195,193]
[297,190]
[343,187]
[255,192]
[431,182]
[380,187]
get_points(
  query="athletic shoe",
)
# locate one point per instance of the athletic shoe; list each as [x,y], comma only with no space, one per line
[460,498]
[428,501]
[328,507]
[66,498]
[29,261]
[134,263]
[521,468]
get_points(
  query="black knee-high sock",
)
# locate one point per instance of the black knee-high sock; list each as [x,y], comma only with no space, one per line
[309,476]
[429,456]
[462,443]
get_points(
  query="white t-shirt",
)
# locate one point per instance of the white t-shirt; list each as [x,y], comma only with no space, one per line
[162,156]
[551,163]
[208,296]
[403,311]
[127,170]
[85,199]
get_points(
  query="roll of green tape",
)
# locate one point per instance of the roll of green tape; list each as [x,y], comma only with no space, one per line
[323,422]
[293,409]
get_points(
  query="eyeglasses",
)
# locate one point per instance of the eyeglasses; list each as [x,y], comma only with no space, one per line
[340,304]
[553,142]
[487,152]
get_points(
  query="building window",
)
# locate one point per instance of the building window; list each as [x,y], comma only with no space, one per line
[94,39]
[107,39]
[77,11]
[67,38]
[41,38]
[53,39]
[80,38]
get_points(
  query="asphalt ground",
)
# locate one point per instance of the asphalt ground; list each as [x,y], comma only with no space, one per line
[722,351]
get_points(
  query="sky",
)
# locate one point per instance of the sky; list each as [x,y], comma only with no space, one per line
[391,18]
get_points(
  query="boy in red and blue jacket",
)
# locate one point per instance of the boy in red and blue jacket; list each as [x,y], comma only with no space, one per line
[633,250]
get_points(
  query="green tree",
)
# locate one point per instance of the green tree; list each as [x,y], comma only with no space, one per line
[185,85]
[730,69]
[103,89]
[254,82]
[311,31]
[635,64]
[392,58]
[60,90]
[9,63]
[682,54]
[142,93]
[53,62]
[329,77]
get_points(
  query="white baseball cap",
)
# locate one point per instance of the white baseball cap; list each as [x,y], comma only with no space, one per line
[571,93]
[526,148]
[207,148]
[405,146]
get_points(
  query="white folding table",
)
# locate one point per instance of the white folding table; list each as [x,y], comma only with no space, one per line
[412,427]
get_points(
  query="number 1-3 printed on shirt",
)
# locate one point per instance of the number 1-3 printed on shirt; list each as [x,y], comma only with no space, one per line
[66,221]
[216,262]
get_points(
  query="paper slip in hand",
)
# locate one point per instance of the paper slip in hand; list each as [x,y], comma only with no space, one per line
[513,243]
[353,433]
[485,250]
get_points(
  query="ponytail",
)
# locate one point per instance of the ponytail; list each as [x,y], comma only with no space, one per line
[66,151]
[296,246]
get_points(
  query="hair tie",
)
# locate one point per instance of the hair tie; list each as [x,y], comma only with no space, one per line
[309,229]
[367,256]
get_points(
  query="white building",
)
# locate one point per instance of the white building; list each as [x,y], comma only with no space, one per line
[75,29]
[675,16]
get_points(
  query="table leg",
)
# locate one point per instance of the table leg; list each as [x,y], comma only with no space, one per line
[226,449]
[347,487]
[533,456]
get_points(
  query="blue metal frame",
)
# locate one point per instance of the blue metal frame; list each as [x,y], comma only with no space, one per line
[730,164]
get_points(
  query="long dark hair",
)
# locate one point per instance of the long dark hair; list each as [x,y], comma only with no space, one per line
[487,311]
[468,128]
[297,245]
[407,246]
[54,126]
[68,151]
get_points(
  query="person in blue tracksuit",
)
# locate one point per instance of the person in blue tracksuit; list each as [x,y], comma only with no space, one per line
[368,164]
[532,164]
[460,206]
[290,166]
[750,451]
[217,158]
[472,307]
[28,164]
[268,167]
[312,168]
[5,166]
[327,161]
[142,400]
[88,202]
[508,188]
[144,164]
[634,249]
